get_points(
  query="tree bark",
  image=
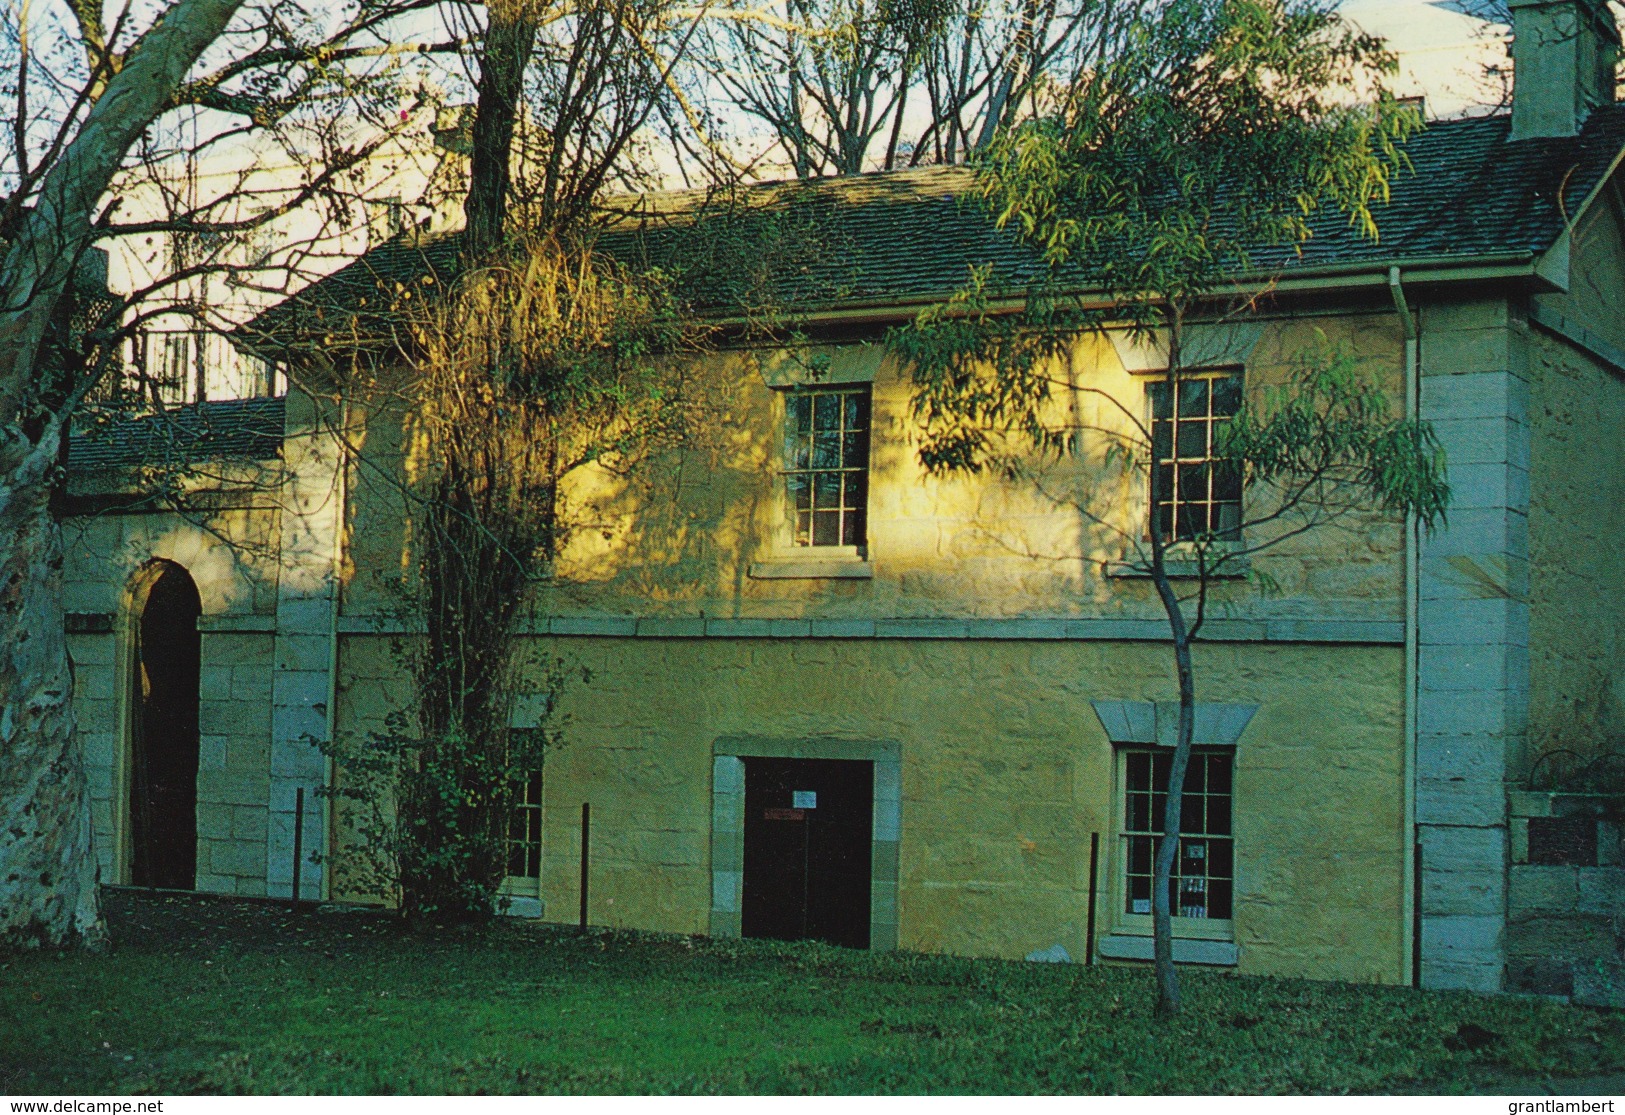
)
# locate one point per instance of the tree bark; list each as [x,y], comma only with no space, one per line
[48,871]
[47,864]
[510,37]
[1162,924]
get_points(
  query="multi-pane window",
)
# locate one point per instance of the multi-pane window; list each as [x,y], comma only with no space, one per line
[826,465]
[386,219]
[1204,869]
[525,829]
[180,366]
[1194,494]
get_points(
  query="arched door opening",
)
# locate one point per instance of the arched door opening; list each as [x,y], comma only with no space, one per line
[164,734]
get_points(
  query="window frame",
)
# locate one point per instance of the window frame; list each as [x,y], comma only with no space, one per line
[1174,543]
[526,886]
[1141,925]
[784,545]
[386,218]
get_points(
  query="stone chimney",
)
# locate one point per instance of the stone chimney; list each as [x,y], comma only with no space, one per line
[1563,55]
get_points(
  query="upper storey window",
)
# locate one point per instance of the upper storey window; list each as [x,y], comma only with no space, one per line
[1194,494]
[826,465]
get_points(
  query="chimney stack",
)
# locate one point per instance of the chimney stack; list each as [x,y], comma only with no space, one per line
[1563,55]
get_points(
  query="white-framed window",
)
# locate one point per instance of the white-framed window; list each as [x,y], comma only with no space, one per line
[524,842]
[1194,493]
[182,366]
[386,219]
[825,467]
[1203,884]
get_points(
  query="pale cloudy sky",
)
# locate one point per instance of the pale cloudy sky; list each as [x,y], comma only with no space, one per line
[1443,54]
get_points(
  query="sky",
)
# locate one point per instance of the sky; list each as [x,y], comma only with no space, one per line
[1443,54]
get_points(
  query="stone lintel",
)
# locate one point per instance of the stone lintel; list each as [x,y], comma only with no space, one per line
[1215,725]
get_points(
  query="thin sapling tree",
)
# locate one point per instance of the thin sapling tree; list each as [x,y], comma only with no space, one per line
[1162,188]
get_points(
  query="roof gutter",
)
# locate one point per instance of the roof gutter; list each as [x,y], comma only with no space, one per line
[1369,275]
[1521,265]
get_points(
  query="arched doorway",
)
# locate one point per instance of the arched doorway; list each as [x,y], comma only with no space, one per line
[164,732]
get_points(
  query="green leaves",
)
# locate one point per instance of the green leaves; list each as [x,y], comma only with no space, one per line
[1332,427]
[982,378]
[1208,133]
[1192,150]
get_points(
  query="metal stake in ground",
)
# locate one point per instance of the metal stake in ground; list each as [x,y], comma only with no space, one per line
[298,839]
[586,822]
[1094,876]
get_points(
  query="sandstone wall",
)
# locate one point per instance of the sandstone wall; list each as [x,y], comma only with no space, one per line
[695,534]
[231,556]
[1006,770]
[1576,521]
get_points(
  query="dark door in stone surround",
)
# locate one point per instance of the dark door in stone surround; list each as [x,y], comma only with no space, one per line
[164,747]
[808,829]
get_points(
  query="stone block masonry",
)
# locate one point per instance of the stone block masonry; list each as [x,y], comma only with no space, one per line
[307,592]
[106,562]
[989,780]
[1565,933]
[1473,636]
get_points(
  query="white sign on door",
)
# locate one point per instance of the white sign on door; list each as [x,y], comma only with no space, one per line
[803,799]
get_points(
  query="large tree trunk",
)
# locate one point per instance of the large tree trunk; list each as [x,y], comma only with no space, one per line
[47,865]
[48,871]
[510,36]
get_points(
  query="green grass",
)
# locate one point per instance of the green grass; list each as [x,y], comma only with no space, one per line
[509,1011]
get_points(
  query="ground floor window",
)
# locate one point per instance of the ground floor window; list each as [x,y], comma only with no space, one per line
[1204,869]
[525,834]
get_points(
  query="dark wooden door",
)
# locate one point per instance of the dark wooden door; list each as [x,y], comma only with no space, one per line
[808,831]
[164,751]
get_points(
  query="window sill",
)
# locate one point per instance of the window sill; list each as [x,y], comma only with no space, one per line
[828,563]
[1222,954]
[522,906]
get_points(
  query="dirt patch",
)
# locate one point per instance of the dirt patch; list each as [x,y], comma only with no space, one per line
[185,923]
[178,923]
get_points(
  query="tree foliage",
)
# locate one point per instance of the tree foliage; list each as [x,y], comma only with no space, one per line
[1198,151]
[1161,186]
[550,359]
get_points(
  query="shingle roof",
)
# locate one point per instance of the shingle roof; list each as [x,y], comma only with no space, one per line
[911,235]
[234,430]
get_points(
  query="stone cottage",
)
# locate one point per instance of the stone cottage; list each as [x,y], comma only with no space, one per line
[904,715]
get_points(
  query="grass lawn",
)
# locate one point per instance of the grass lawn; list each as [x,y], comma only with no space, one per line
[223,997]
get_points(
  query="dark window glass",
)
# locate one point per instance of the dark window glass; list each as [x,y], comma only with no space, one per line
[1192,440]
[525,829]
[1563,841]
[1204,868]
[826,459]
[1194,495]
[1193,398]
